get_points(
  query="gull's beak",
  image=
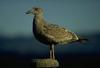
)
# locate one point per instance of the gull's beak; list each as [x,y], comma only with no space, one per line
[28,12]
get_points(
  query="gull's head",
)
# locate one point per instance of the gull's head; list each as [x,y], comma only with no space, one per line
[35,11]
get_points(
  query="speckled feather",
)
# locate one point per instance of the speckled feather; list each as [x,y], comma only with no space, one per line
[50,33]
[59,34]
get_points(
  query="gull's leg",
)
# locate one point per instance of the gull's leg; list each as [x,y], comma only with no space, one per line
[52,54]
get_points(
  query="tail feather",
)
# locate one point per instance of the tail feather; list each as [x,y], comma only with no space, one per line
[82,40]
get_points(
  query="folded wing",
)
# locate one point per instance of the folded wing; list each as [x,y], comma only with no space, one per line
[58,34]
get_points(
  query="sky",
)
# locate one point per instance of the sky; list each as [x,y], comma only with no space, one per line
[80,16]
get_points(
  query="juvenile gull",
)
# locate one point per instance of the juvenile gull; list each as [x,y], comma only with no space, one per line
[50,34]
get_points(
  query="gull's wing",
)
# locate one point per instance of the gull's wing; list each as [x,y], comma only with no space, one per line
[58,34]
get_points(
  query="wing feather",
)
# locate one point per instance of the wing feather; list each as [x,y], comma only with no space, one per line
[58,34]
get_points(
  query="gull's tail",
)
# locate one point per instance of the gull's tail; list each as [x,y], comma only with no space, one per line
[82,40]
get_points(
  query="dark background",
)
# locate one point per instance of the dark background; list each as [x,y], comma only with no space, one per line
[71,55]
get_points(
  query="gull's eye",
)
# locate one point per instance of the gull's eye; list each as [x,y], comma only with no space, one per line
[36,8]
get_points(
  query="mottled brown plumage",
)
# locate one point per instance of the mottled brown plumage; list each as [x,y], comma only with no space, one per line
[59,35]
[50,34]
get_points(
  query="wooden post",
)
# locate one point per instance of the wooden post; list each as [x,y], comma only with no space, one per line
[45,63]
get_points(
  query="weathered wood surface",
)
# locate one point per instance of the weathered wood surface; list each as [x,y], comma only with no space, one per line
[45,63]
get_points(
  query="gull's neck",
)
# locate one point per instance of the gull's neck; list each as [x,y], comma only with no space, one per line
[38,22]
[38,16]
[39,19]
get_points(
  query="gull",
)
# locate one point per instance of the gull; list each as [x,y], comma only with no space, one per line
[51,34]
